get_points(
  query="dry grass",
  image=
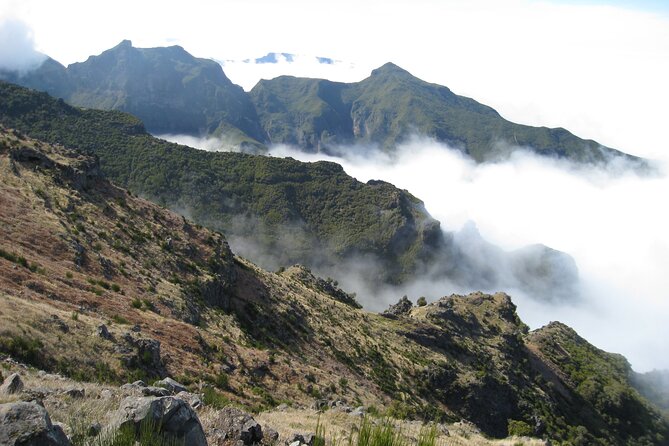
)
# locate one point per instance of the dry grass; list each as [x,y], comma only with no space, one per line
[338,427]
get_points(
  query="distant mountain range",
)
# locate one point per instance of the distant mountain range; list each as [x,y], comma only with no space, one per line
[173,92]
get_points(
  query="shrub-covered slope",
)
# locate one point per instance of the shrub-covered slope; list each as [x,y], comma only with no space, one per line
[311,213]
[79,253]
[390,106]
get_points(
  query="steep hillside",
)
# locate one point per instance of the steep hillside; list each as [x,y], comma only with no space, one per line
[390,106]
[167,88]
[78,253]
[281,211]
[302,212]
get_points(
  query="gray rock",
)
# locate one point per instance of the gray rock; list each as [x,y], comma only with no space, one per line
[358,412]
[106,394]
[94,429]
[270,436]
[75,393]
[28,424]
[320,405]
[175,417]
[171,385]
[238,425]
[303,438]
[402,307]
[103,332]
[155,391]
[193,399]
[13,384]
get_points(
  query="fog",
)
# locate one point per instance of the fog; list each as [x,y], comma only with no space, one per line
[247,73]
[611,220]
[17,48]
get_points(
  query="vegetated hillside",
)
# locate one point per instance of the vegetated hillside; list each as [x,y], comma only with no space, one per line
[326,214]
[78,252]
[174,92]
[282,211]
[654,385]
[390,106]
[167,88]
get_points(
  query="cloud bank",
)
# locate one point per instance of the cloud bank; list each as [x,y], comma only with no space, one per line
[17,47]
[613,223]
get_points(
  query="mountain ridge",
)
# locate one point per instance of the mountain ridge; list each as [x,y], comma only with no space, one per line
[280,211]
[382,110]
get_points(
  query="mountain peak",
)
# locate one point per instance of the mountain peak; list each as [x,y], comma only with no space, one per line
[125,43]
[390,69]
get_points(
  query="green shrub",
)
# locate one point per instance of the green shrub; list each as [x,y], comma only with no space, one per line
[212,397]
[120,319]
[421,302]
[136,303]
[23,348]
[519,428]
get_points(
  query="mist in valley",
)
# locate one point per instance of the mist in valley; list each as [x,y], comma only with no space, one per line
[610,219]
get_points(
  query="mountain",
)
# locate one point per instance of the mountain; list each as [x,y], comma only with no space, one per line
[282,211]
[176,93]
[390,106]
[100,285]
[308,212]
[170,90]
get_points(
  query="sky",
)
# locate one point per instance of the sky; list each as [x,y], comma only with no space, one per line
[597,68]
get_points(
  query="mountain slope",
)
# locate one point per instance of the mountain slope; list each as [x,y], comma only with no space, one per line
[78,252]
[167,88]
[176,93]
[281,211]
[390,106]
[304,212]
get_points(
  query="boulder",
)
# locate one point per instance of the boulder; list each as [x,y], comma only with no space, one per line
[103,332]
[171,385]
[155,391]
[75,393]
[193,399]
[401,308]
[174,416]
[28,424]
[302,439]
[13,384]
[238,425]
[270,436]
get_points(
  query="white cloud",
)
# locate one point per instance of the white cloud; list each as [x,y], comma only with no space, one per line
[613,224]
[17,48]
[597,70]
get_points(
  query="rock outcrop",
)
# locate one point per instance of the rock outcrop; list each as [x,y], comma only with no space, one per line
[28,424]
[12,384]
[236,425]
[174,416]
